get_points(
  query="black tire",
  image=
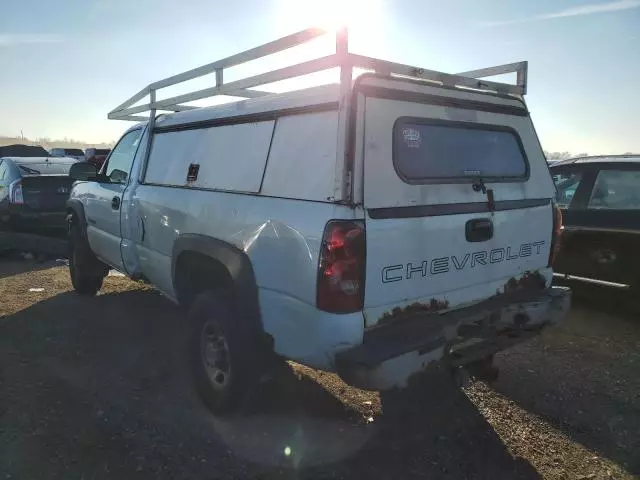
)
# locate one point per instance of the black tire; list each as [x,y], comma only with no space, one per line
[223,355]
[484,369]
[86,271]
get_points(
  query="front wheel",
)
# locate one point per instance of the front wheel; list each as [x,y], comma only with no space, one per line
[86,271]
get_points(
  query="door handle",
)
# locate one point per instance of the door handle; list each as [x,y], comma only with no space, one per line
[478,230]
[115,203]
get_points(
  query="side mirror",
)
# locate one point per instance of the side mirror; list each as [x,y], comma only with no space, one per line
[83,171]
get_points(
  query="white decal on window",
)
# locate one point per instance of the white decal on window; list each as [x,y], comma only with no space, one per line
[411,137]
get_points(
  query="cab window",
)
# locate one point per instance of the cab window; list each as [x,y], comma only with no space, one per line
[119,163]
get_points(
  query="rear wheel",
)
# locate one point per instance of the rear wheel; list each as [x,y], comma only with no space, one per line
[484,369]
[86,271]
[223,354]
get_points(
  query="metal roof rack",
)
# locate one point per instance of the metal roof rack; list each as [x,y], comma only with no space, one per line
[342,58]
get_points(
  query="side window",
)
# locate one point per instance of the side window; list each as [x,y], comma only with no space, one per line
[566,185]
[121,159]
[616,190]
[3,170]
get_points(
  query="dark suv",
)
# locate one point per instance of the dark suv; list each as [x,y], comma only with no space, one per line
[600,202]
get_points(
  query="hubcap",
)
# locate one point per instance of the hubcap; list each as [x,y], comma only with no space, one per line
[214,352]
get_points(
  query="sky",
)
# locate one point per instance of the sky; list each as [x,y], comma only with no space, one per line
[65,64]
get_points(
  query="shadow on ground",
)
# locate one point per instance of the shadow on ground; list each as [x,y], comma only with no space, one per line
[583,376]
[96,388]
[14,264]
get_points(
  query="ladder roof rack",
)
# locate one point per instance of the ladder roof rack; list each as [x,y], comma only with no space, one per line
[342,58]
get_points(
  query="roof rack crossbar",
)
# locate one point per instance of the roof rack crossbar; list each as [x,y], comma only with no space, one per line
[238,88]
[467,79]
[519,68]
[346,61]
[276,46]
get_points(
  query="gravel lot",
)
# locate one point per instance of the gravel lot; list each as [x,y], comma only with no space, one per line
[94,388]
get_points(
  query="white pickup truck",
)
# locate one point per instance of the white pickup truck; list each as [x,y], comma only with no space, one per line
[368,228]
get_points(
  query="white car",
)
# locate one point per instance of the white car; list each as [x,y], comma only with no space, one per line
[367,228]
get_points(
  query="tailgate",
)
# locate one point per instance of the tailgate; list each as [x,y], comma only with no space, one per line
[457,196]
[46,193]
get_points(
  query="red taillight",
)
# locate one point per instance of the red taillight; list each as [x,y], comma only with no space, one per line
[556,235]
[15,193]
[341,267]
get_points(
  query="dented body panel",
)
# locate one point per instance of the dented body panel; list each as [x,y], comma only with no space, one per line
[283,248]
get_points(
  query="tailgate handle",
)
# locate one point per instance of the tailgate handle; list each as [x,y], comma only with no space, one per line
[478,230]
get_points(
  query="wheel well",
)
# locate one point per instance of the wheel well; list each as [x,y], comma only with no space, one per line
[75,216]
[72,219]
[196,273]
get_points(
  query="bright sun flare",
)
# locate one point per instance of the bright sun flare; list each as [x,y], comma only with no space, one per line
[361,15]
[363,18]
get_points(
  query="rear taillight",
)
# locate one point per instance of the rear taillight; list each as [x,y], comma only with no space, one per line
[341,267]
[556,235]
[15,193]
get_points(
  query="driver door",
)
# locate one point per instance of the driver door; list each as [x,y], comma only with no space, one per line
[104,203]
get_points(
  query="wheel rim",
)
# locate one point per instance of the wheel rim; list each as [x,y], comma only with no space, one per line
[214,352]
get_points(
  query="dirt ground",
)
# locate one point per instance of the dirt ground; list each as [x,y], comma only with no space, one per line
[94,388]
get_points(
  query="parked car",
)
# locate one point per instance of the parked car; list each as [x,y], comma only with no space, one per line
[430,240]
[96,156]
[600,202]
[33,194]
[75,153]
[19,150]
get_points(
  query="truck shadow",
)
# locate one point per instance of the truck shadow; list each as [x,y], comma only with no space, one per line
[582,377]
[102,383]
[433,429]
[11,263]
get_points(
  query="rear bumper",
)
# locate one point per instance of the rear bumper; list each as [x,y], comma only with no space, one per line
[390,354]
[29,242]
[44,232]
[24,220]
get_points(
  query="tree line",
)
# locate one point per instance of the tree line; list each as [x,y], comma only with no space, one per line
[49,143]
[566,155]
